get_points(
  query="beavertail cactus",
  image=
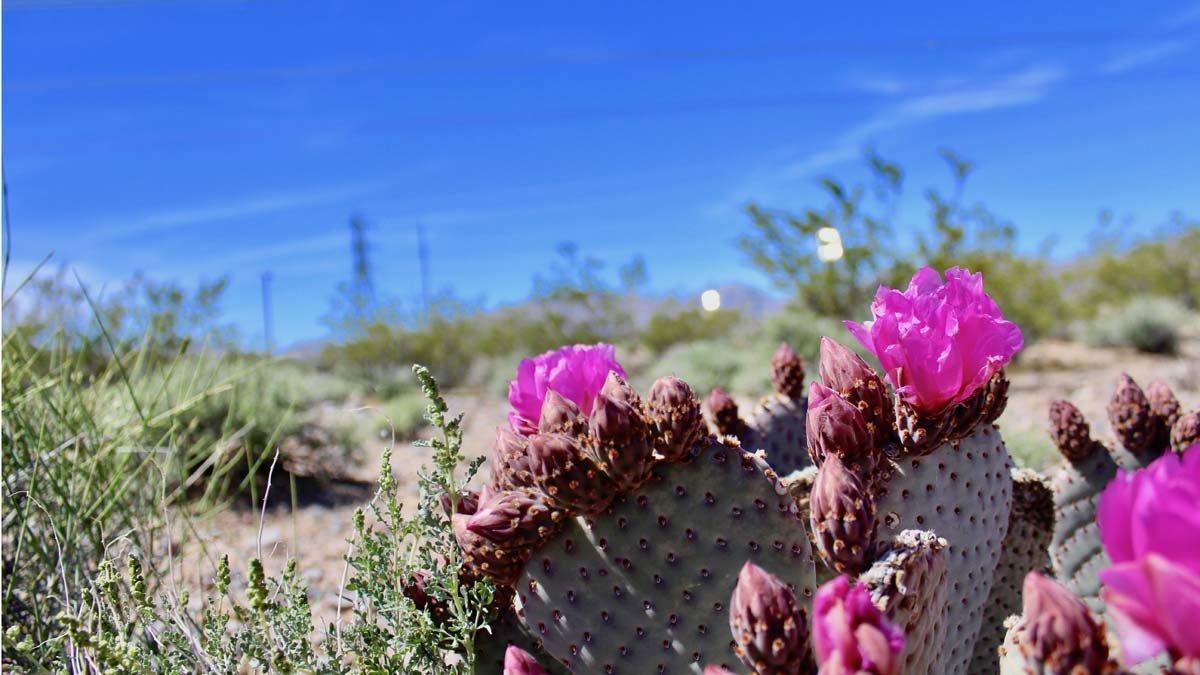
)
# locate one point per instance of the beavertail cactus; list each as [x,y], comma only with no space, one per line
[1025,550]
[1056,634]
[623,537]
[1142,429]
[943,467]
[777,424]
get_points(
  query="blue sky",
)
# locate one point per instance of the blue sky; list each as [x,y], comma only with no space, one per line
[195,139]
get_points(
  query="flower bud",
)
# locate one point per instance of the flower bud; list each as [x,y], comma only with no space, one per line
[570,478]
[674,413]
[844,371]
[517,661]
[1163,403]
[787,372]
[510,460]
[724,413]
[835,426]
[842,513]
[468,502]
[617,388]
[560,415]
[622,439]
[851,635]
[1186,431]
[1130,416]
[1056,633]
[1070,431]
[769,629]
[501,562]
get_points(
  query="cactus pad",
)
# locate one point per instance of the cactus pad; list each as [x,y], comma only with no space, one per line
[1025,549]
[961,491]
[644,587]
[907,583]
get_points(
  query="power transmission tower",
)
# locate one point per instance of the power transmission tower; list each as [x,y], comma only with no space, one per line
[362,289]
[423,263]
[268,330]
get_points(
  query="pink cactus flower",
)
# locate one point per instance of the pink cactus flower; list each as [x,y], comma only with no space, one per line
[577,372]
[938,342]
[1150,525]
[851,635]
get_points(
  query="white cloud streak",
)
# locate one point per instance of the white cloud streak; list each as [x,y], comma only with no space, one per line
[1143,56]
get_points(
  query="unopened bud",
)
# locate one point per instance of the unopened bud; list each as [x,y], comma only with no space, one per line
[844,371]
[560,415]
[1070,431]
[787,372]
[674,413]
[770,631]
[842,512]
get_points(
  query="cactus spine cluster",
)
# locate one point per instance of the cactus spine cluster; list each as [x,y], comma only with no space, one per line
[1146,424]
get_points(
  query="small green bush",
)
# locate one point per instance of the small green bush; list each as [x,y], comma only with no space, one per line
[1151,325]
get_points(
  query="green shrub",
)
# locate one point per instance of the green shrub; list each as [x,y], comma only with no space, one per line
[1151,325]
[119,624]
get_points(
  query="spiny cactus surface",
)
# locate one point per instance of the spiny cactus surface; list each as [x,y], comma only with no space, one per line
[1025,549]
[644,587]
[962,491]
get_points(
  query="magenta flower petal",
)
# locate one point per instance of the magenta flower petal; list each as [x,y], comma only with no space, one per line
[938,342]
[1150,526]
[850,634]
[576,372]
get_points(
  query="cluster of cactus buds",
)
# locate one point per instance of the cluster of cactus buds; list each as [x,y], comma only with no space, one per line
[1146,423]
[777,424]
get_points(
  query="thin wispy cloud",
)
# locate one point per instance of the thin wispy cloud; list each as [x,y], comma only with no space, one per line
[1143,56]
[1018,88]
[110,229]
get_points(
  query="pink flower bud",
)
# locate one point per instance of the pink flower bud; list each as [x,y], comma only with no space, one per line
[835,426]
[851,635]
[1070,431]
[769,629]
[844,371]
[724,412]
[623,441]
[842,512]
[1057,632]
[1129,414]
[674,413]
[517,661]
[571,479]
[560,415]
[787,372]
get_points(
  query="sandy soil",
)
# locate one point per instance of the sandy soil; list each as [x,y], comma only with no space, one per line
[317,532]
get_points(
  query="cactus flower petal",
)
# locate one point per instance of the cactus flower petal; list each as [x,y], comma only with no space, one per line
[938,342]
[577,372]
[517,661]
[1151,529]
[850,634]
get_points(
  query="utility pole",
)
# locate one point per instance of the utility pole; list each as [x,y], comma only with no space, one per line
[268,332]
[423,264]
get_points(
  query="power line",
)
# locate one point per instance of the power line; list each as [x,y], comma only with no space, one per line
[504,62]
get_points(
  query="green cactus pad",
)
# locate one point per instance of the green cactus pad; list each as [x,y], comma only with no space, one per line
[1030,525]
[778,427]
[961,491]
[907,582]
[1076,553]
[644,587]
